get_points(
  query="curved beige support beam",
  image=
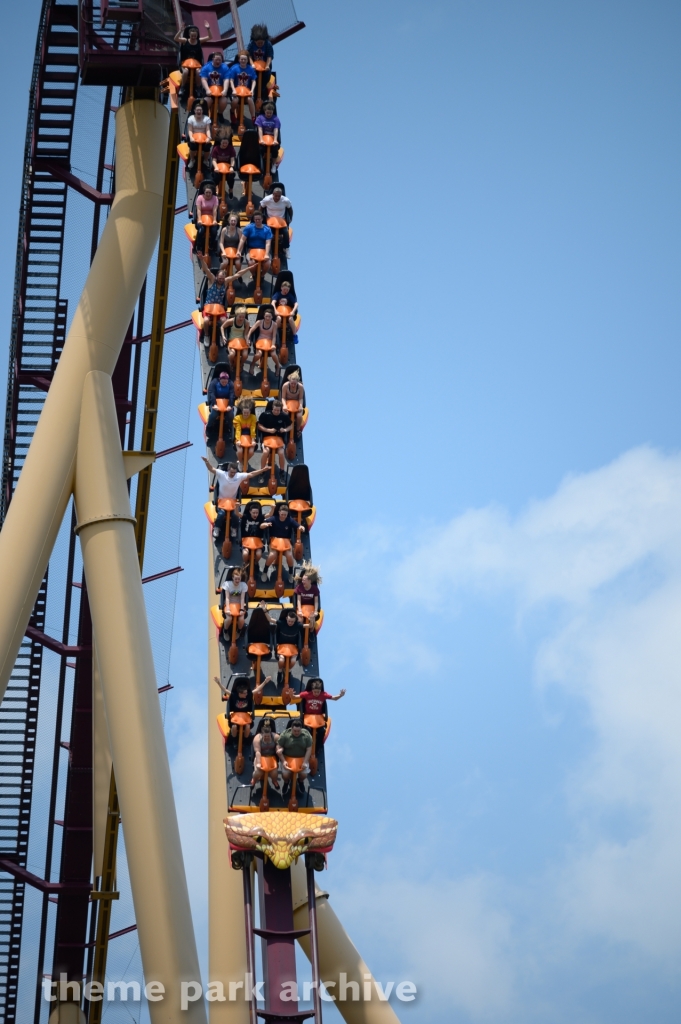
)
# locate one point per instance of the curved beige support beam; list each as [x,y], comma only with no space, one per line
[226,928]
[101,770]
[133,713]
[337,955]
[67,1013]
[93,343]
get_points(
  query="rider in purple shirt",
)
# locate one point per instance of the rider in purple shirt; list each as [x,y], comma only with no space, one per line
[268,123]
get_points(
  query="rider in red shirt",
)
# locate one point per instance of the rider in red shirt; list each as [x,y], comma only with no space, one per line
[313,701]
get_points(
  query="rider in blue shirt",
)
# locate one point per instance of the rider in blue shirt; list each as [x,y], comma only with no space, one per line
[257,235]
[260,48]
[216,72]
[220,388]
[261,51]
[242,74]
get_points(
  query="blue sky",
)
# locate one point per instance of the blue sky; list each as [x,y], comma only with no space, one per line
[486,222]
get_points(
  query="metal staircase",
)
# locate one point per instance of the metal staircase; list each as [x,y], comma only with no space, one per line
[37,337]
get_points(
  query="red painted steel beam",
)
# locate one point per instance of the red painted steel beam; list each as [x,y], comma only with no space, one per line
[170,451]
[113,935]
[82,187]
[168,330]
[278,942]
[55,645]
[39,883]
[40,381]
[162,575]
[289,32]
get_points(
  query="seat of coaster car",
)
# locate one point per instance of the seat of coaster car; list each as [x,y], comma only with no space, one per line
[249,152]
[299,495]
[259,630]
[299,487]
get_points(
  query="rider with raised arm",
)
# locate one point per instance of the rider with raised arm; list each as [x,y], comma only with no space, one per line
[227,484]
[190,49]
[217,293]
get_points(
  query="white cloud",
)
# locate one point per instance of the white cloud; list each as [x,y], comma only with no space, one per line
[594,577]
[449,937]
[595,527]
[625,662]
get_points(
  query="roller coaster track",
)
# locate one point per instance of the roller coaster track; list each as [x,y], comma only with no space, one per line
[277,933]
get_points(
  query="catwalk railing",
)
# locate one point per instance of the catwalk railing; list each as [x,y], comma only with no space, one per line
[36,340]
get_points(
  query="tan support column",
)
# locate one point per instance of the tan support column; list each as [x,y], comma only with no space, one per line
[101,769]
[128,680]
[226,928]
[93,343]
[67,1013]
[337,955]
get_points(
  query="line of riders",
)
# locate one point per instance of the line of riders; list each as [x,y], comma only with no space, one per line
[295,742]
[251,69]
[233,326]
[227,251]
[245,430]
[220,239]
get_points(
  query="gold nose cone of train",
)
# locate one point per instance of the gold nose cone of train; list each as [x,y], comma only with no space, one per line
[281,835]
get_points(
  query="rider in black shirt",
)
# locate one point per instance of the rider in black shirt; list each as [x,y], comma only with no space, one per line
[289,631]
[280,524]
[191,49]
[276,423]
